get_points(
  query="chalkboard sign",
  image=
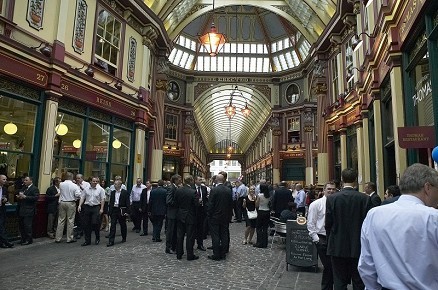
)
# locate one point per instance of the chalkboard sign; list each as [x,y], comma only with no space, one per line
[300,250]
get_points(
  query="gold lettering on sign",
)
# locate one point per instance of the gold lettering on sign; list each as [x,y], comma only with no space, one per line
[40,77]
[415,137]
[103,102]
[64,87]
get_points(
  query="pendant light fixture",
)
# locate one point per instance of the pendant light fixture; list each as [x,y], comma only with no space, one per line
[10,128]
[213,41]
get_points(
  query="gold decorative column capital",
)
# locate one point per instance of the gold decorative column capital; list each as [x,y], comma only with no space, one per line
[161,85]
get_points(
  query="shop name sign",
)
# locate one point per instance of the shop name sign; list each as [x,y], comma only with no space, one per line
[416,137]
[423,89]
[409,15]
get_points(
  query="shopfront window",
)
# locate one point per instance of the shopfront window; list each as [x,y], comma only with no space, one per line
[17,126]
[96,149]
[422,98]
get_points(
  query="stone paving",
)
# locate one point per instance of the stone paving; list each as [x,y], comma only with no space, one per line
[141,264]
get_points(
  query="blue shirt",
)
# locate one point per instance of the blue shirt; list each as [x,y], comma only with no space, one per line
[400,246]
[300,199]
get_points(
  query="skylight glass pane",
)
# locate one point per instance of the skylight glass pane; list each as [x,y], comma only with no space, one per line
[226,48]
[226,63]
[189,61]
[259,64]
[240,63]
[207,63]
[178,56]
[260,48]
[295,58]
[246,64]
[220,63]
[276,63]
[172,55]
[184,59]
[253,64]
[253,48]
[233,47]
[266,65]
[233,64]
[200,63]
[181,40]
[240,48]
[193,46]
[274,47]
[289,60]
[279,45]
[247,48]
[282,62]
[213,63]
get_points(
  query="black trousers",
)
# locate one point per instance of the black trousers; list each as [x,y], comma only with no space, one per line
[136,215]
[220,238]
[91,221]
[145,220]
[25,225]
[157,225]
[327,273]
[3,237]
[344,272]
[262,224]
[201,234]
[116,216]
[171,234]
[182,230]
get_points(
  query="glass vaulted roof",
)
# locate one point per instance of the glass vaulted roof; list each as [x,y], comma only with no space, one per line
[258,41]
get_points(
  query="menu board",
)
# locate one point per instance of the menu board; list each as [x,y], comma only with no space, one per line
[300,250]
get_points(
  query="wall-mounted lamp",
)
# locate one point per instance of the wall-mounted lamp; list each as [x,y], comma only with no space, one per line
[77,143]
[356,43]
[46,50]
[10,128]
[117,144]
[88,71]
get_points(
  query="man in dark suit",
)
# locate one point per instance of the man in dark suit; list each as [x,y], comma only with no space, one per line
[345,213]
[281,199]
[144,207]
[201,212]
[52,197]
[185,200]
[171,233]
[4,243]
[370,189]
[220,206]
[157,209]
[27,199]
[119,206]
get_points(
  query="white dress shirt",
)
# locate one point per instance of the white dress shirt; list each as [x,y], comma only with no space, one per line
[316,218]
[93,195]
[400,246]
[117,197]
[300,200]
[136,192]
[69,191]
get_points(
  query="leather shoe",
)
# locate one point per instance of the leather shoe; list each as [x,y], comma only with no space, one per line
[107,236]
[179,257]
[110,244]
[123,240]
[143,234]
[210,248]
[85,244]
[193,258]
[26,243]
[212,257]
[202,248]
[71,241]
[169,251]
[9,245]
[97,242]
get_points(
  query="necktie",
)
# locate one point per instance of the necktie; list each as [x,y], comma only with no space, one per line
[198,192]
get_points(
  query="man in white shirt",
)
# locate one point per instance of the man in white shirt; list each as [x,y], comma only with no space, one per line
[69,192]
[136,205]
[400,240]
[82,184]
[300,199]
[315,225]
[93,199]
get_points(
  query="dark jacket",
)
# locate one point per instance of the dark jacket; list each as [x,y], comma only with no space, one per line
[170,202]
[157,201]
[375,200]
[52,200]
[201,208]
[26,207]
[220,205]
[281,199]
[185,200]
[144,200]
[123,201]
[345,213]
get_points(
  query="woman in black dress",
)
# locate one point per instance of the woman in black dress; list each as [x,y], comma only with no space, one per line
[249,203]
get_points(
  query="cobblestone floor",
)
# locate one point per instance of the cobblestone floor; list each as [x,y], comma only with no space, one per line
[141,264]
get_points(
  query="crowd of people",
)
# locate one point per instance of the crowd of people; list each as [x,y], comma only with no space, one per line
[360,239]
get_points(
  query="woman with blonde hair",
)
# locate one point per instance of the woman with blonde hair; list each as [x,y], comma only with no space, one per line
[249,203]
